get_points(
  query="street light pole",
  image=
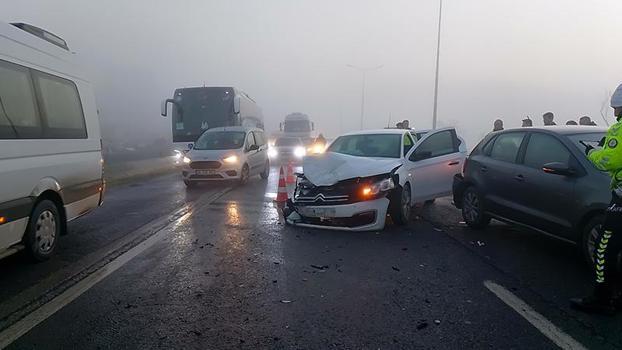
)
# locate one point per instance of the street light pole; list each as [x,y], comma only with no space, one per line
[364,71]
[438,55]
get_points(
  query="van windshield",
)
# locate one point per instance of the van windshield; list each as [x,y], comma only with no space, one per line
[219,140]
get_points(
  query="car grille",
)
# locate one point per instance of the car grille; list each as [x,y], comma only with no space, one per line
[341,193]
[211,164]
[212,176]
[361,219]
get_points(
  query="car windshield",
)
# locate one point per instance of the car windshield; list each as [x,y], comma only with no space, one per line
[216,140]
[592,139]
[368,145]
[288,142]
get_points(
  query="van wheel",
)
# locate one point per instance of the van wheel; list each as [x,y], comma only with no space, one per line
[43,230]
[244,174]
[472,209]
[399,207]
[589,237]
[266,170]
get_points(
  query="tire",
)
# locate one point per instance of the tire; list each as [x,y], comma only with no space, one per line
[43,230]
[590,233]
[400,208]
[244,175]
[190,184]
[472,209]
[266,170]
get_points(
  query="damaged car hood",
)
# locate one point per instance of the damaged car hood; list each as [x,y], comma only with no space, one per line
[329,168]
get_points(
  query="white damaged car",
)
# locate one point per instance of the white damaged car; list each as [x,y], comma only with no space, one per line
[363,176]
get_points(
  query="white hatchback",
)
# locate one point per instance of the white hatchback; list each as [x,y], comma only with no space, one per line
[364,176]
[228,153]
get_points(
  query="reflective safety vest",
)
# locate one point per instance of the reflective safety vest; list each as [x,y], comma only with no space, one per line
[609,157]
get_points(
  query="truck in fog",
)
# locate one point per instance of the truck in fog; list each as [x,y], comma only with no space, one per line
[297,125]
[197,109]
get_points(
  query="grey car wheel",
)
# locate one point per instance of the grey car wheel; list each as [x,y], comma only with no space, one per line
[472,209]
[244,174]
[43,230]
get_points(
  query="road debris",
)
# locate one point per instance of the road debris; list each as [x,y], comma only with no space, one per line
[320,267]
[437,322]
[438,229]
[422,324]
[480,243]
[286,301]
[395,268]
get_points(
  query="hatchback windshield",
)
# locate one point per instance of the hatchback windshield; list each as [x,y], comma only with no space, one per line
[368,145]
[215,140]
[288,142]
[588,138]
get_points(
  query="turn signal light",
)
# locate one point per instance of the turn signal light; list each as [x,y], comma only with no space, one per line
[2,220]
[366,191]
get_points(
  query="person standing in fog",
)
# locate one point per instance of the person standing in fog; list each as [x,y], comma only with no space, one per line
[547,118]
[586,121]
[571,122]
[527,122]
[498,125]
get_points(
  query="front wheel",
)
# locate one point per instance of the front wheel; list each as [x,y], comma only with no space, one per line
[590,236]
[472,209]
[266,170]
[43,230]
[399,208]
[244,174]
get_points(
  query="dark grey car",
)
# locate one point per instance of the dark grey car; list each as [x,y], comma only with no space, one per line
[539,178]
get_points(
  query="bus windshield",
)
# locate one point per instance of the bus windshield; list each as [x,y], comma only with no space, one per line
[198,109]
[297,126]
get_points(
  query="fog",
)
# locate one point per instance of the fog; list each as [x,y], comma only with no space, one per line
[499,58]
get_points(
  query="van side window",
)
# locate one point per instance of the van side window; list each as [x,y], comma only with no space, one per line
[60,107]
[19,117]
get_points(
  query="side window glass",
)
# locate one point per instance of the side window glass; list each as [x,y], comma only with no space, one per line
[436,145]
[543,149]
[488,147]
[408,143]
[61,107]
[259,138]
[19,117]
[506,146]
[250,140]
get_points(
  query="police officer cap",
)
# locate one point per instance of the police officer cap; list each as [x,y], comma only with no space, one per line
[616,98]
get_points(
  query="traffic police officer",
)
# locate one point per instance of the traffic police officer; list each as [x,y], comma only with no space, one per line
[608,158]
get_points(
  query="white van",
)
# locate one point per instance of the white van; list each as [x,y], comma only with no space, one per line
[51,168]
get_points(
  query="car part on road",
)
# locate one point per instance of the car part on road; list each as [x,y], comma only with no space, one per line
[472,209]
[44,228]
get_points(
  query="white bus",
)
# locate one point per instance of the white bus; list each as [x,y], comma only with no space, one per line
[197,109]
[50,145]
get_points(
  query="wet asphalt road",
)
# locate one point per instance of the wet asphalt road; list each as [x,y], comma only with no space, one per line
[226,274]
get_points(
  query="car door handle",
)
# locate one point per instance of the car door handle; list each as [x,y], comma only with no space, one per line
[520,178]
[455,163]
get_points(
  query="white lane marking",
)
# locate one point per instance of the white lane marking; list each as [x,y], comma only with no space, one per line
[21,327]
[545,326]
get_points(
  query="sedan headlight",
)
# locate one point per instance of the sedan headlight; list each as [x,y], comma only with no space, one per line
[272,152]
[231,159]
[178,154]
[377,187]
[187,160]
[300,152]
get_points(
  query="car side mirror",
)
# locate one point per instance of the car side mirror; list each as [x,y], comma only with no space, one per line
[252,148]
[558,168]
[420,155]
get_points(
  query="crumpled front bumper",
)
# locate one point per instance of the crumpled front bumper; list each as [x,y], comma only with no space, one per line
[345,217]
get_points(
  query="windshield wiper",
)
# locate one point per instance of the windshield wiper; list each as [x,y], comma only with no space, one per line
[6,115]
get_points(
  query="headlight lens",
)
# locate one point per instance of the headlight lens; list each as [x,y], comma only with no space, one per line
[187,160]
[378,187]
[272,153]
[231,159]
[300,152]
[178,154]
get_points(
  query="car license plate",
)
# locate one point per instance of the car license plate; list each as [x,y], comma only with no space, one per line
[206,172]
[322,212]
